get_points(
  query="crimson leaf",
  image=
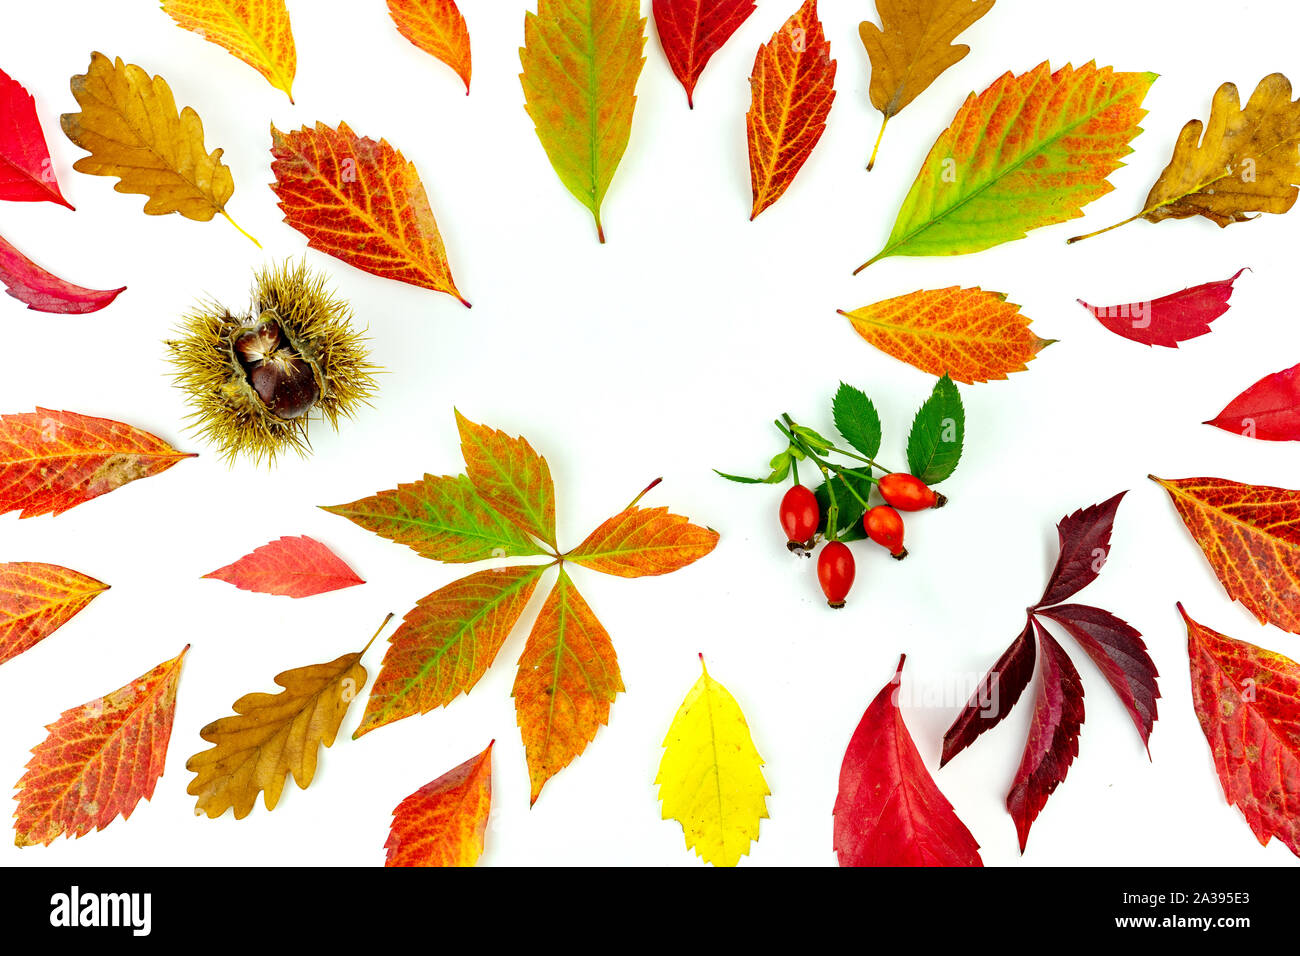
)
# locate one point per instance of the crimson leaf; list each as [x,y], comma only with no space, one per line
[996,694]
[1085,544]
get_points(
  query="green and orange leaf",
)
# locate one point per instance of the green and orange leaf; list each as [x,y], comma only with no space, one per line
[968,334]
[36,600]
[256,31]
[510,477]
[99,760]
[444,822]
[644,541]
[437,28]
[52,461]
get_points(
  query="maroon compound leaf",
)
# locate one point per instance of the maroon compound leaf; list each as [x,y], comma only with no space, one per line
[996,694]
[1085,544]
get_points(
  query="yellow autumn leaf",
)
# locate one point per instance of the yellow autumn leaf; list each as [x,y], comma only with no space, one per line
[131,128]
[256,31]
[710,779]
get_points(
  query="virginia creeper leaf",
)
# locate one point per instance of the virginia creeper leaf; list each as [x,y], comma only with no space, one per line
[1250,534]
[510,477]
[446,643]
[1169,319]
[1269,410]
[857,420]
[938,432]
[911,47]
[711,776]
[997,693]
[36,600]
[437,28]
[888,811]
[361,202]
[99,760]
[1030,151]
[792,88]
[256,31]
[443,823]
[292,567]
[45,292]
[581,61]
[1084,546]
[968,334]
[1246,700]
[52,461]
[568,677]
[644,541]
[26,171]
[691,31]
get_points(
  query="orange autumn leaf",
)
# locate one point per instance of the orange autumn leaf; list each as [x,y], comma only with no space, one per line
[568,677]
[360,201]
[99,760]
[443,823]
[792,88]
[437,28]
[510,476]
[644,541]
[1251,536]
[968,334]
[36,600]
[256,31]
[52,461]
[291,567]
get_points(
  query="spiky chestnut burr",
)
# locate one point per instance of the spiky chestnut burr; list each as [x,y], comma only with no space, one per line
[257,379]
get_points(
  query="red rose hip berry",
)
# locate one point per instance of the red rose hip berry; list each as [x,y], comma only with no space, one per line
[884,526]
[909,493]
[800,515]
[835,571]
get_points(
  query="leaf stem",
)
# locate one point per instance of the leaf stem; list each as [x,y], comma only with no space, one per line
[1089,235]
[872,161]
[377,633]
[644,492]
[844,451]
[237,226]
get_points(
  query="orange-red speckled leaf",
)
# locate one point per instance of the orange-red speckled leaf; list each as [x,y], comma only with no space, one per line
[256,31]
[510,477]
[437,28]
[36,600]
[644,541]
[443,823]
[293,567]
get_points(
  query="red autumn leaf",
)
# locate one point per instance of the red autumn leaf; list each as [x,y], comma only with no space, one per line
[1248,702]
[292,567]
[1053,735]
[691,31]
[791,92]
[99,759]
[36,600]
[1118,650]
[1169,319]
[888,811]
[1085,544]
[437,28]
[26,171]
[1269,410]
[44,291]
[444,822]
[644,541]
[52,461]
[996,694]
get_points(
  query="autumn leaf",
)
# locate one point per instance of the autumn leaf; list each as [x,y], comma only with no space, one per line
[1169,319]
[272,735]
[1247,161]
[968,334]
[711,778]
[1269,410]
[568,677]
[256,31]
[691,31]
[1084,545]
[888,811]
[440,518]
[45,292]
[581,61]
[443,823]
[995,695]
[447,642]
[510,477]
[52,461]
[1251,536]
[129,125]
[1030,151]
[792,88]
[361,202]
[1246,700]
[644,541]
[26,171]
[911,47]
[437,28]
[99,760]
[36,600]
[293,567]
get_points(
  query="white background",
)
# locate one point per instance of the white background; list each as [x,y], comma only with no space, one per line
[666,352]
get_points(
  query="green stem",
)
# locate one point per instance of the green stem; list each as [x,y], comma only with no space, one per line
[840,451]
[826,466]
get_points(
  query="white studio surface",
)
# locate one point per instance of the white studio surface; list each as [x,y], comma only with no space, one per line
[668,352]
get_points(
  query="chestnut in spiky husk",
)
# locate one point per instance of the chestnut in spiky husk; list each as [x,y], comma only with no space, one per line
[255,379]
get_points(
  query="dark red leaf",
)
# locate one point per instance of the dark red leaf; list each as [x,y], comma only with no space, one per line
[1170,319]
[44,291]
[1053,735]
[26,173]
[888,811]
[691,31]
[996,694]
[1268,410]
[1117,648]
[1085,545]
